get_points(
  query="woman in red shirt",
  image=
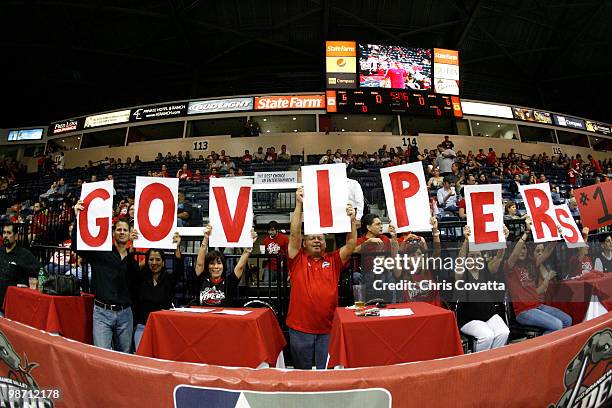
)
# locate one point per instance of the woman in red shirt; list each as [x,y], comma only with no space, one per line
[528,283]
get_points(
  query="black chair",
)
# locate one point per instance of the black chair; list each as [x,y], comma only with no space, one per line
[468,342]
[518,330]
[256,303]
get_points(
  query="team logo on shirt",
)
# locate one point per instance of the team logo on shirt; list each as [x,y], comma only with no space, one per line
[584,385]
[211,296]
[273,248]
[325,264]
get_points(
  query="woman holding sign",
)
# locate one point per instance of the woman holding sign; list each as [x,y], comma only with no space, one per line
[218,287]
[476,312]
[528,283]
[155,286]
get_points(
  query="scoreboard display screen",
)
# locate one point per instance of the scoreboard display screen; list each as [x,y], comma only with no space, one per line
[390,102]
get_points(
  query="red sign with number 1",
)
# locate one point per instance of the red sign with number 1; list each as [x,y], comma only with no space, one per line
[595,205]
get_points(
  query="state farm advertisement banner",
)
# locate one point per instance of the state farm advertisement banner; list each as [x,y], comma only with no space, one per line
[156,210]
[230,212]
[341,64]
[94,222]
[446,71]
[577,362]
[286,102]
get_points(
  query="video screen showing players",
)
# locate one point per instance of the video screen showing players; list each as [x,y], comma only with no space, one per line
[394,67]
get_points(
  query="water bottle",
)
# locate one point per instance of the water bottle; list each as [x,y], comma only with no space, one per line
[41,279]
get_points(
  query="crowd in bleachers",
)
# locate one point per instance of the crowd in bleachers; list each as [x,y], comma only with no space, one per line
[446,171]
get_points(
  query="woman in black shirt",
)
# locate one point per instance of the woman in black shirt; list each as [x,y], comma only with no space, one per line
[154,286]
[476,313]
[218,287]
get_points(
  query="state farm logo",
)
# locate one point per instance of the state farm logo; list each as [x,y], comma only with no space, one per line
[281,102]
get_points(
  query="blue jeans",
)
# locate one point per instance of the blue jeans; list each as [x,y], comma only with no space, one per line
[138,335]
[547,317]
[307,348]
[113,330]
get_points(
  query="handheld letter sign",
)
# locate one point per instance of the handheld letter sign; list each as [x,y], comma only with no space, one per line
[231,212]
[571,234]
[540,207]
[94,223]
[595,205]
[406,196]
[484,209]
[155,217]
[325,199]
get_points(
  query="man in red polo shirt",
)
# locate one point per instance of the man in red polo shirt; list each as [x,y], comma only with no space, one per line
[314,289]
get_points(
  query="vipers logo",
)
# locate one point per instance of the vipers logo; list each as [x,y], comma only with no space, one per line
[189,396]
[18,388]
[138,114]
[585,385]
[211,296]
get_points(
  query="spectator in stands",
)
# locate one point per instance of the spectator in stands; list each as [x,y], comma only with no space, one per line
[184,174]
[188,157]
[457,175]
[573,206]
[137,162]
[314,289]
[528,283]
[483,179]
[271,155]
[113,274]
[580,263]
[159,158]
[62,188]
[39,221]
[511,212]
[597,168]
[93,178]
[216,163]
[184,211]
[179,157]
[61,162]
[50,192]
[445,160]
[197,177]
[247,158]
[513,187]
[324,159]
[491,157]
[604,261]
[284,155]
[446,196]
[275,243]
[447,144]
[259,156]
[169,157]
[240,172]
[218,288]
[230,173]
[542,178]
[164,171]
[227,165]
[476,312]
[435,181]
[17,264]
[372,228]
[154,286]
[213,174]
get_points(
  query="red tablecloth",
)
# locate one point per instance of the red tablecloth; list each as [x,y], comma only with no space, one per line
[70,316]
[237,341]
[573,296]
[431,332]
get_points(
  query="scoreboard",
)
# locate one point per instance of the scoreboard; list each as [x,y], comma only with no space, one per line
[393,102]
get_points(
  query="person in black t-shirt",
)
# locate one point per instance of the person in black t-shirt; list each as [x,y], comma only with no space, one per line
[476,313]
[218,287]
[155,286]
[17,264]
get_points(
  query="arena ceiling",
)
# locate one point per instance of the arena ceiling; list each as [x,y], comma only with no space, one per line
[67,58]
